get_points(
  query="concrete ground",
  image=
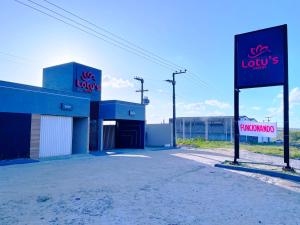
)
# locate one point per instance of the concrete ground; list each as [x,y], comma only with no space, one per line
[254,160]
[245,156]
[171,187]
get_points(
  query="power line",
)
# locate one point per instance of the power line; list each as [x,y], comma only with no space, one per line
[129,47]
[18,57]
[31,61]
[112,34]
[154,82]
[103,35]
[92,34]
[135,49]
[193,82]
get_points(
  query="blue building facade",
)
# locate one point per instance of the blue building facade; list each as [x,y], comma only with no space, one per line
[129,128]
[65,116]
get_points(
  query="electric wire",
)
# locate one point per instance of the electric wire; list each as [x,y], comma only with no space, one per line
[123,39]
[130,47]
[112,34]
[180,97]
[167,63]
[101,34]
[92,34]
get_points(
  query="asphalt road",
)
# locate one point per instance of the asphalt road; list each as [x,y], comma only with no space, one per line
[170,187]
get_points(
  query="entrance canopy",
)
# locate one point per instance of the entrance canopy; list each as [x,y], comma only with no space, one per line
[129,128]
[121,110]
[130,123]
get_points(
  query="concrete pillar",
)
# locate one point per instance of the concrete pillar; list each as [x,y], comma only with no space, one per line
[80,142]
[100,134]
[225,128]
[206,129]
[183,128]
[231,130]
[171,132]
[190,128]
[35,136]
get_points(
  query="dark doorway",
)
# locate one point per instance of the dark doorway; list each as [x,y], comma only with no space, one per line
[15,135]
[130,134]
[109,137]
[94,135]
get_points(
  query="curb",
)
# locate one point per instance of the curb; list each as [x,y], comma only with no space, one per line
[17,161]
[260,171]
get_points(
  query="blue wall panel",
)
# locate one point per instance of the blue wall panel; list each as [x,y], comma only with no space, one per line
[59,77]
[27,99]
[74,77]
[120,110]
[14,135]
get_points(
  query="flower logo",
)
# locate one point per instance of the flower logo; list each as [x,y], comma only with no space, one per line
[87,76]
[88,82]
[259,50]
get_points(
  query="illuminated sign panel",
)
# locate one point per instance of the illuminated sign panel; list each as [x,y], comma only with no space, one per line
[88,80]
[260,57]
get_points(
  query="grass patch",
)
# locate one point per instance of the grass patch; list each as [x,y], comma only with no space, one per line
[269,149]
[200,143]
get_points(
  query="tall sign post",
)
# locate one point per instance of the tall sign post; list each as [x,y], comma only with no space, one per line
[261,60]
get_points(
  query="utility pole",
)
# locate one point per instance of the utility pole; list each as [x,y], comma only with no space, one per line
[173,82]
[268,120]
[142,90]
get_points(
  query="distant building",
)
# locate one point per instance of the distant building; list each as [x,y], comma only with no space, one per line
[213,128]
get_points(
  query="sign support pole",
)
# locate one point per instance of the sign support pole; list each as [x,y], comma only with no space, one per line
[286,128]
[236,127]
[236,109]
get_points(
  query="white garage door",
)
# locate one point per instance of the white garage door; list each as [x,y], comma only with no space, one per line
[56,136]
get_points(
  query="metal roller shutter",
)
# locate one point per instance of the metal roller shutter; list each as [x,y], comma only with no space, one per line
[56,136]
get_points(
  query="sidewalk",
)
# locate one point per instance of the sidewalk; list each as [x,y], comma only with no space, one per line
[245,156]
[248,159]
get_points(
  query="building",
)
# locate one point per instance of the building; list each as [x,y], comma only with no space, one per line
[158,135]
[65,116]
[213,128]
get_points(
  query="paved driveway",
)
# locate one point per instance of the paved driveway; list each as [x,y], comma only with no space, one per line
[141,187]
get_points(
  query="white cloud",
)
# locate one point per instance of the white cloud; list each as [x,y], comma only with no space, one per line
[197,106]
[294,97]
[204,108]
[217,103]
[280,95]
[216,113]
[275,111]
[114,82]
[256,108]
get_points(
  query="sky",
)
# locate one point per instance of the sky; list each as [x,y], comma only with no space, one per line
[196,35]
